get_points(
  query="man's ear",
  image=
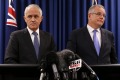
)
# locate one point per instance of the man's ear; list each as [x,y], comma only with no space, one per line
[24,18]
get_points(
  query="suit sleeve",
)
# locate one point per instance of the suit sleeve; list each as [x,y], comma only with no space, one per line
[11,52]
[53,46]
[113,55]
[71,44]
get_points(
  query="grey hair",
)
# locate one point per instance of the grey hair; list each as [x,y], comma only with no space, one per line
[91,9]
[33,5]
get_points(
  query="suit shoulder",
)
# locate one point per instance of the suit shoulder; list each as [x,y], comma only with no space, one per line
[44,33]
[79,30]
[107,31]
[17,32]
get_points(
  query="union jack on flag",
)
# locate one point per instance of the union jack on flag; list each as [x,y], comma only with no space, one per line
[11,17]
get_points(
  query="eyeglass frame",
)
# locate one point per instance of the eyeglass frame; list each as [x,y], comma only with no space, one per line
[99,14]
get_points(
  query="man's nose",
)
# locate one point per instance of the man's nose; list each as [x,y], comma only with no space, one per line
[33,19]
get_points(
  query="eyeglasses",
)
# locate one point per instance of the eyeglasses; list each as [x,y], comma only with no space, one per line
[99,14]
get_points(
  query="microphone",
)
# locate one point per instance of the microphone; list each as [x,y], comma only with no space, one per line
[93,74]
[69,56]
[63,66]
[74,67]
[43,65]
[52,59]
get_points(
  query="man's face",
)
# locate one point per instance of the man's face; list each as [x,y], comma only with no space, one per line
[33,18]
[97,18]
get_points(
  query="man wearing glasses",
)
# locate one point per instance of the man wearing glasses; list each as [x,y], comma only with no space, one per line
[92,43]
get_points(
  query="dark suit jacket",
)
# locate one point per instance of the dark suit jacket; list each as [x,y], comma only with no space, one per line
[20,48]
[81,43]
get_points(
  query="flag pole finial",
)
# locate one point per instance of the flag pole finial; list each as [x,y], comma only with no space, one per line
[94,2]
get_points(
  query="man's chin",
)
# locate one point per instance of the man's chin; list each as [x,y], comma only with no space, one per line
[100,24]
[33,28]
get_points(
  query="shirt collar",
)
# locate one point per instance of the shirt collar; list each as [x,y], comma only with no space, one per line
[30,31]
[90,29]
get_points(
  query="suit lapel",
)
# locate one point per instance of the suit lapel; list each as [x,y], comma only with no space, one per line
[42,44]
[89,39]
[28,42]
[103,40]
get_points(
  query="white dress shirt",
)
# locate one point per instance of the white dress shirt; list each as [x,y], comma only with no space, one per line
[98,33]
[32,36]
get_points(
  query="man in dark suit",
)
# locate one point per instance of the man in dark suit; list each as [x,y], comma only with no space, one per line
[81,41]
[20,48]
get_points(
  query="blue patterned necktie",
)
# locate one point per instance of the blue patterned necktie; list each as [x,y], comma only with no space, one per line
[36,43]
[96,42]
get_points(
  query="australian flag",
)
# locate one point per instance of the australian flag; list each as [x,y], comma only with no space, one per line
[11,17]
[11,23]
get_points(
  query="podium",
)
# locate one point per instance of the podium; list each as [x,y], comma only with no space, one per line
[19,72]
[32,71]
[104,72]
[107,72]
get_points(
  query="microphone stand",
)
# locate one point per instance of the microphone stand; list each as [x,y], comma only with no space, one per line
[65,73]
[43,74]
[93,74]
[74,74]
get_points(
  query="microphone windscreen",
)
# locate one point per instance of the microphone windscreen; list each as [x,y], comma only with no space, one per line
[63,67]
[62,64]
[43,64]
[68,55]
[52,58]
[77,57]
